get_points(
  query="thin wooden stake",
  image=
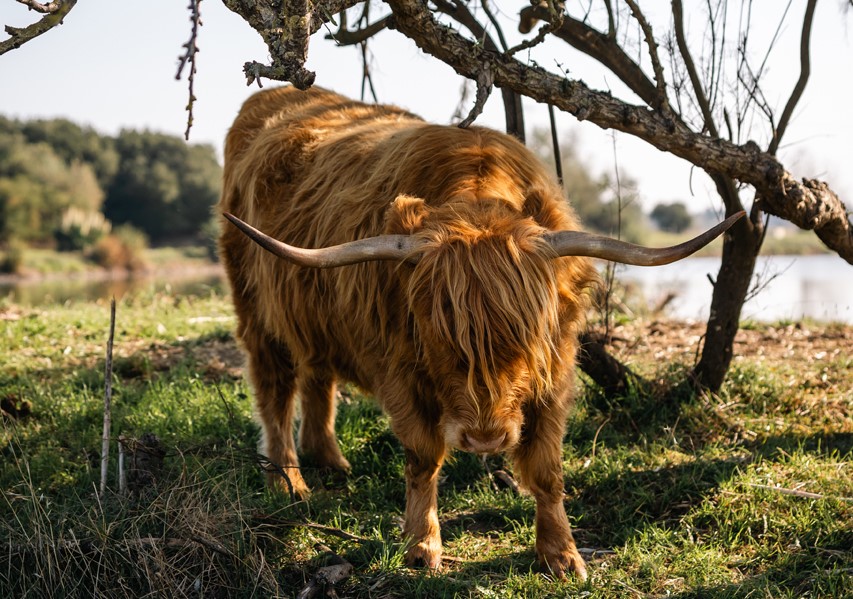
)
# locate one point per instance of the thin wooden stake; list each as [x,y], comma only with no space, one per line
[108,393]
[555,142]
[122,475]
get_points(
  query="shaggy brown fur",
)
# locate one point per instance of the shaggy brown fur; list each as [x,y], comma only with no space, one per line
[470,345]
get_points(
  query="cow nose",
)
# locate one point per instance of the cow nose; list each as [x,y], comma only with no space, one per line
[478,443]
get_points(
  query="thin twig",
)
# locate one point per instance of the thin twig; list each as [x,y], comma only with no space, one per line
[660,81]
[595,438]
[698,91]
[798,493]
[347,37]
[495,24]
[331,530]
[108,394]
[190,57]
[805,70]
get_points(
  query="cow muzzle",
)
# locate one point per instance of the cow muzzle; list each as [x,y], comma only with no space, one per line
[483,443]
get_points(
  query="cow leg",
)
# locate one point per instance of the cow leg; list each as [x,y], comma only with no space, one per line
[317,439]
[421,523]
[538,459]
[274,381]
[414,420]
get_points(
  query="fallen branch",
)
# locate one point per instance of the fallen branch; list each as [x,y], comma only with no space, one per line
[502,477]
[337,570]
[271,521]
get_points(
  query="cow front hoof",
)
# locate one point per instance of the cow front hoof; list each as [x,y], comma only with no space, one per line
[424,555]
[563,563]
[293,485]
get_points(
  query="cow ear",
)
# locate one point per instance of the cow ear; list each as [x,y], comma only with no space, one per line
[548,209]
[406,215]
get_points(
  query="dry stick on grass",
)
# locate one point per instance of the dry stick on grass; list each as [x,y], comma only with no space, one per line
[798,493]
[264,520]
[108,392]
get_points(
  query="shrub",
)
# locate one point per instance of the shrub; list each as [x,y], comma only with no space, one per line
[12,260]
[79,229]
[122,249]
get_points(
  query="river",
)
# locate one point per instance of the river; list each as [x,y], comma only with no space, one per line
[789,288]
[793,287]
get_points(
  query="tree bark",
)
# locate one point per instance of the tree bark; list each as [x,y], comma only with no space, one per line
[740,250]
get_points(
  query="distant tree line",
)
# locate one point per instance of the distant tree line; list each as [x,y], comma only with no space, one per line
[64,185]
[607,203]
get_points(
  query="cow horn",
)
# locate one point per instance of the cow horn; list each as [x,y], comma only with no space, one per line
[579,243]
[383,247]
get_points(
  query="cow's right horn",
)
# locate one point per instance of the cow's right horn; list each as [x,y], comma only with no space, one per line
[383,247]
[580,243]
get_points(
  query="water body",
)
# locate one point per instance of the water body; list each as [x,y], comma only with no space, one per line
[818,287]
[790,288]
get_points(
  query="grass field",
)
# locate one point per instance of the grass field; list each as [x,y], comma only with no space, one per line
[742,494]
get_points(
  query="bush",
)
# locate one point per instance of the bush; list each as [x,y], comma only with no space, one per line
[79,230]
[122,249]
[12,260]
[672,218]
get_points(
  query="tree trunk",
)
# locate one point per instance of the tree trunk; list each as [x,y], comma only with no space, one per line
[740,250]
[607,372]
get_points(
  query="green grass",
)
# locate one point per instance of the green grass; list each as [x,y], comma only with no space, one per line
[46,262]
[673,494]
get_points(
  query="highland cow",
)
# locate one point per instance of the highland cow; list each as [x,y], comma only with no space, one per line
[438,268]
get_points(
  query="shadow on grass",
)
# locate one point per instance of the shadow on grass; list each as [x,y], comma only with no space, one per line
[611,509]
[822,571]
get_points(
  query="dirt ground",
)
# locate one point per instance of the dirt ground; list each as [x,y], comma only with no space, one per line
[670,340]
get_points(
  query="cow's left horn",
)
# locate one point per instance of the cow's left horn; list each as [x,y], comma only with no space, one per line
[383,247]
[579,243]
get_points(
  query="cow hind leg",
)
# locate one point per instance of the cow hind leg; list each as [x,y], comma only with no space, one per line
[317,440]
[273,379]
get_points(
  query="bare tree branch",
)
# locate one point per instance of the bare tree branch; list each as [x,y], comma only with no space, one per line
[42,7]
[808,204]
[350,37]
[698,91]
[513,110]
[660,99]
[190,57]
[805,70]
[285,31]
[485,81]
[54,14]
[599,46]
[555,14]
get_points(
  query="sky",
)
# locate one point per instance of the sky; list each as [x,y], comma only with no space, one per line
[112,65]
